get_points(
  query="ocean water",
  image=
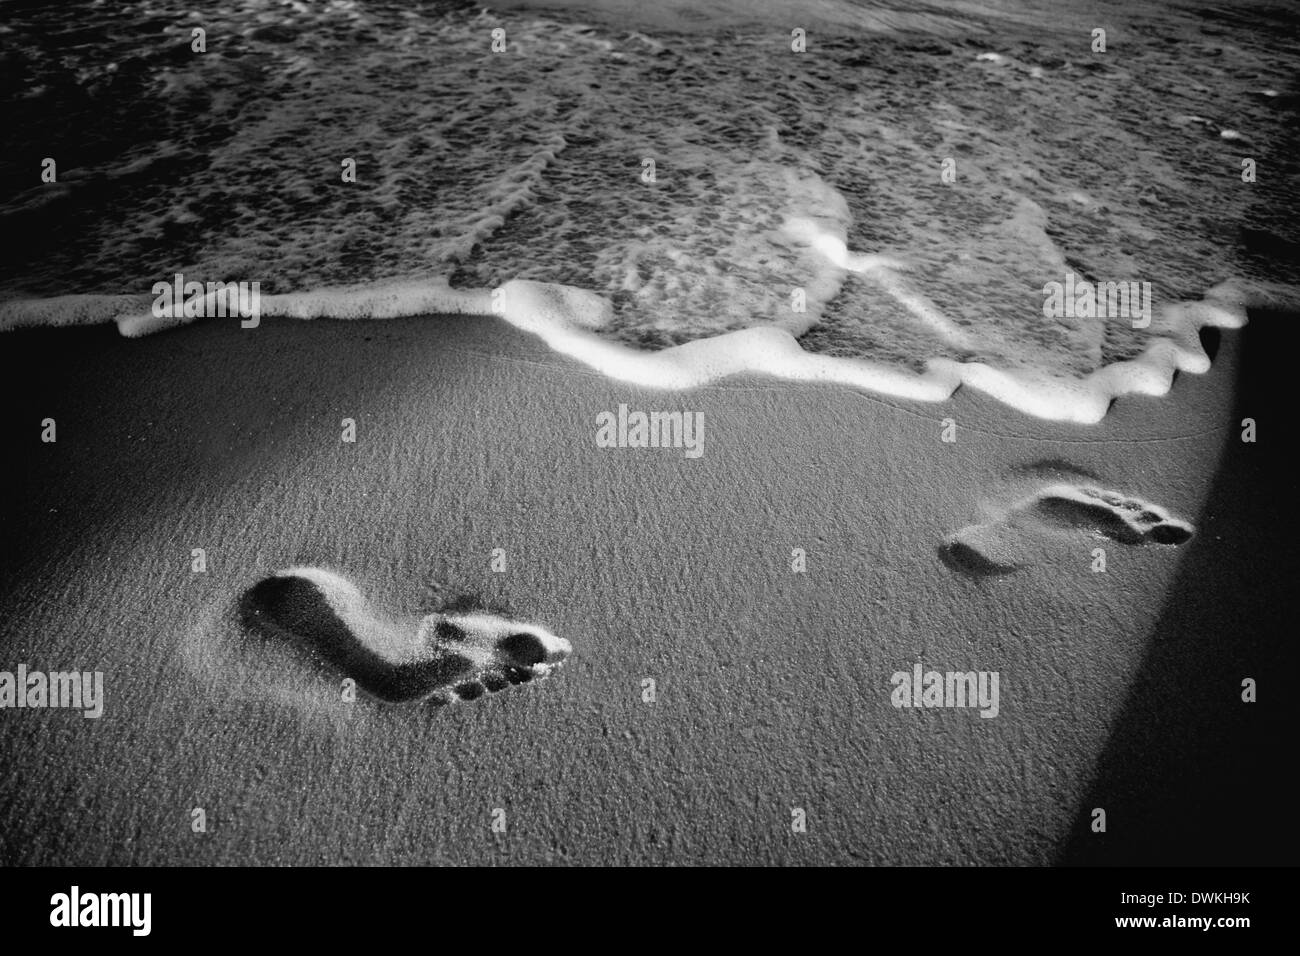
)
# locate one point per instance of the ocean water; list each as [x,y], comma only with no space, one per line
[796,222]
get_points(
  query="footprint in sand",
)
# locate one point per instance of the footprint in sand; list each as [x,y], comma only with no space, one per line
[443,657]
[1007,541]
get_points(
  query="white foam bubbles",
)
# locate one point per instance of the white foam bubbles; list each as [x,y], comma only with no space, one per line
[565,323]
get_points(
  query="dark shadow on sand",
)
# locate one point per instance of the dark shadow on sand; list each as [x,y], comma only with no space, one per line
[1192,775]
[138,429]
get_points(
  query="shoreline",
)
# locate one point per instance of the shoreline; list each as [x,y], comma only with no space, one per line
[566,317]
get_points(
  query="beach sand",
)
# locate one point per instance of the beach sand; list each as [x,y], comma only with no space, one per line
[1118,690]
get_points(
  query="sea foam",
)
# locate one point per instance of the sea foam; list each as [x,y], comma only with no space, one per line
[569,320]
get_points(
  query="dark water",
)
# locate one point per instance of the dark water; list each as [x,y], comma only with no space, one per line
[487,166]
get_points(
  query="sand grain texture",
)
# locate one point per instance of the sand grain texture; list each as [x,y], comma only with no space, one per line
[773,688]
